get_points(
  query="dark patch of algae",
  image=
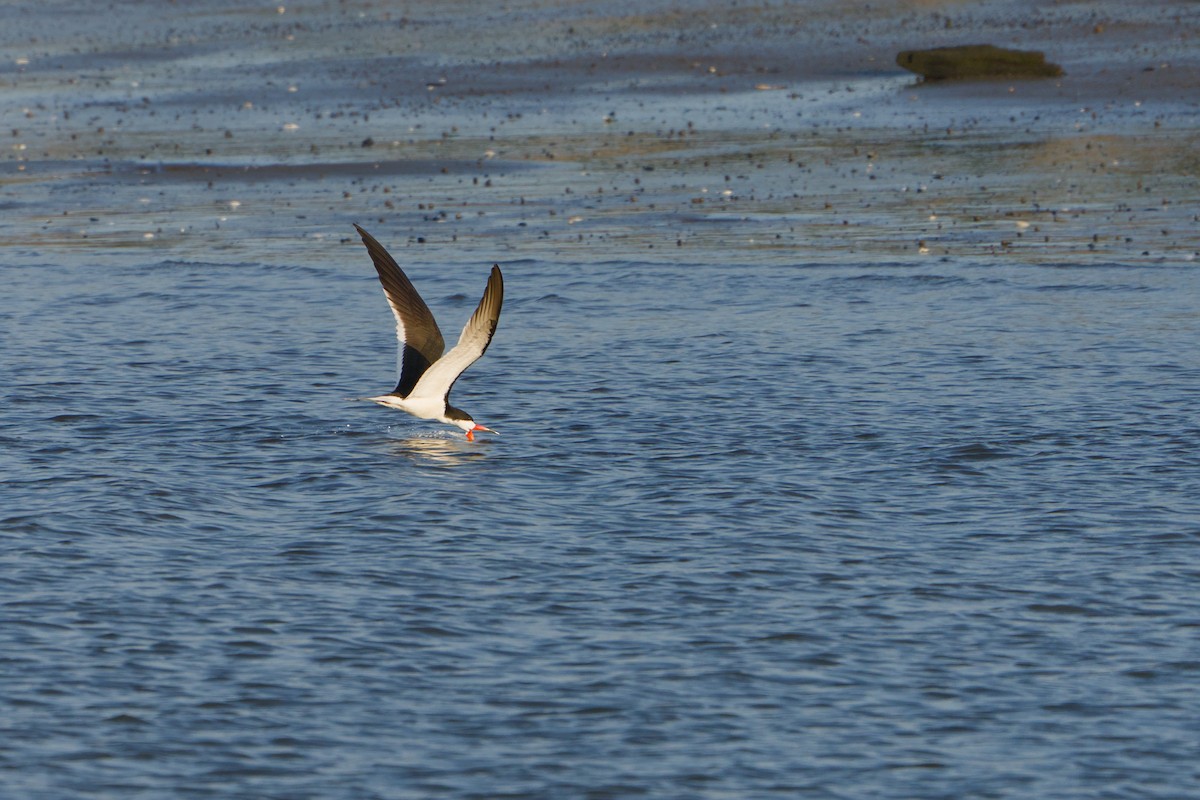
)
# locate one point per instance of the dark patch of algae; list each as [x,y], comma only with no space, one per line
[977,62]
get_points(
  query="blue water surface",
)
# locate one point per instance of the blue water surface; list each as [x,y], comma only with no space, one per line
[802,530]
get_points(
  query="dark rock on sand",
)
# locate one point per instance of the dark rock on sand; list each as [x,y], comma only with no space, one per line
[977,61]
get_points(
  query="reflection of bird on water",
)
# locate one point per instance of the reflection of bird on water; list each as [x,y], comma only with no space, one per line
[434,450]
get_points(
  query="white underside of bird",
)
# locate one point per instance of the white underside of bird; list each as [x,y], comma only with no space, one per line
[424,408]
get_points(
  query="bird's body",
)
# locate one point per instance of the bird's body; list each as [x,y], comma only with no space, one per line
[426,374]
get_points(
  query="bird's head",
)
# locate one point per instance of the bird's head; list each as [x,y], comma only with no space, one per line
[469,425]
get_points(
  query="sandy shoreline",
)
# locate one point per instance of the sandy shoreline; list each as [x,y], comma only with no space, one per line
[550,127]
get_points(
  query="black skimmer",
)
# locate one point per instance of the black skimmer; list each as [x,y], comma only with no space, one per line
[426,375]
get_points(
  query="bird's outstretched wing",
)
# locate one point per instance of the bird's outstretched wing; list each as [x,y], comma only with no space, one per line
[472,342]
[420,341]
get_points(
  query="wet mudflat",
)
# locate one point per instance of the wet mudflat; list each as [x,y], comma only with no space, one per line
[849,424]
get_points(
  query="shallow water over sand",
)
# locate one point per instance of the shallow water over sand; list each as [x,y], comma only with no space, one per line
[848,426]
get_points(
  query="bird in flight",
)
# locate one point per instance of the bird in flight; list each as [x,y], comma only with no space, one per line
[426,374]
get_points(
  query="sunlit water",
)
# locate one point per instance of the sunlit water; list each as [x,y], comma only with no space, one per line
[754,530]
[848,429]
